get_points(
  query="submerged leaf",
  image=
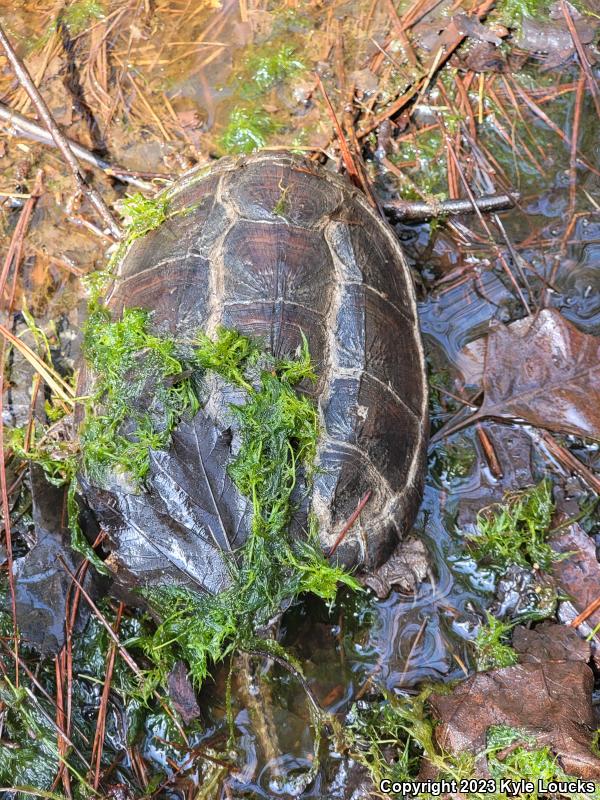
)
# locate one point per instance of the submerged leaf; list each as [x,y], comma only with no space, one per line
[542,370]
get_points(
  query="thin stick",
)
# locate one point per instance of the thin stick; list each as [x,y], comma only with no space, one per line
[52,378]
[42,109]
[583,59]
[404,210]
[122,651]
[31,130]
[101,721]
[347,156]
[15,249]
[587,612]
[353,517]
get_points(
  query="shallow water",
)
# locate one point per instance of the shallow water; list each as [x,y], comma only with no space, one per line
[182,70]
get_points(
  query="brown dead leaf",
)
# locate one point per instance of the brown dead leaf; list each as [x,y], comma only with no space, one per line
[578,575]
[544,371]
[182,693]
[548,694]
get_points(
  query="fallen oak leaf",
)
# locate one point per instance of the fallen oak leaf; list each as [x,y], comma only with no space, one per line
[578,575]
[543,371]
[548,695]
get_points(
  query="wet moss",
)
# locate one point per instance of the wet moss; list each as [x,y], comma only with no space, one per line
[268,66]
[516,531]
[511,754]
[142,388]
[81,14]
[491,645]
[248,129]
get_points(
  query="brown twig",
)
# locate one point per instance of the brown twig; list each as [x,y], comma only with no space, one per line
[42,109]
[501,258]
[15,248]
[122,651]
[579,95]
[352,519]
[347,156]
[31,130]
[488,449]
[437,61]
[102,711]
[568,461]
[405,210]
[587,612]
[583,59]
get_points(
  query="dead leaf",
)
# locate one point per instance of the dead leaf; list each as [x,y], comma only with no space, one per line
[41,581]
[182,693]
[549,695]
[544,371]
[548,642]
[185,528]
[578,575]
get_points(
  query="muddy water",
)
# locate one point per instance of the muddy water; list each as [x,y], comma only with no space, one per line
[182,75]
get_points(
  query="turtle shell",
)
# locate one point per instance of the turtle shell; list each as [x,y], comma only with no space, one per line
[276,247]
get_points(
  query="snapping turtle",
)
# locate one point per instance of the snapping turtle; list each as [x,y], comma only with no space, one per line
[277,248]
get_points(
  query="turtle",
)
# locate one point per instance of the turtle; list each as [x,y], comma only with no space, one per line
[279,248]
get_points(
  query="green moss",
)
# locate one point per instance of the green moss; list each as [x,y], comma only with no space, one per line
[28,751]
[248,129]
[392,737]
[143,214]
[511,754]
[79,15]
[58,458]
[267,67]
[141,391]
[515,532]
[491,646]
[279,431]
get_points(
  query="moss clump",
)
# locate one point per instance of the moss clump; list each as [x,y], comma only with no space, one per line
[279,431]
[391,738]
[79,15]
[143,214]
[491,645]
[511,754]
[515,532]
[142,389]
[248,129]
[267,67]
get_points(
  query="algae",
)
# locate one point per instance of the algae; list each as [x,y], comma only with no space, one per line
[79,15]
[267,66]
